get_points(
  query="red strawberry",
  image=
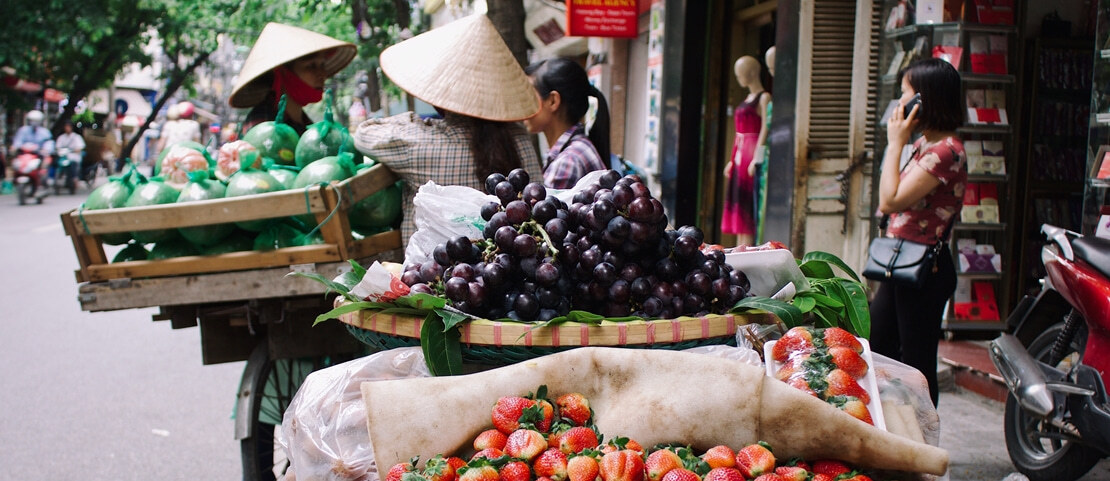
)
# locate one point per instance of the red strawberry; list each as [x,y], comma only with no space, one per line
[769,477]
[479,471]
[660,462]
[724,474]
[822,477]
[575,407]
[840,383]
[455,463]
[796,341]
[856,477]
[853,406]
[849,361]
[488,453]
[830,467]
[515,471]
[399,469]
[525,444]
[799,382]
[438,469]
[507,411]
[490,438]
[582,468]
[835,336]
[619,443]
[755,459]
[546,416]
[720,457]
[792,473]
[683,474]
[552,464]
[577,439]
[631,444]
[623,465]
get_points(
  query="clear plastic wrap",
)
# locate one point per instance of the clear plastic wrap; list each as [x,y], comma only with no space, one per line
[441,213]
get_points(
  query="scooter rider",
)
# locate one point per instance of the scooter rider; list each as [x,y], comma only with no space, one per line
[70,144]
[34,133]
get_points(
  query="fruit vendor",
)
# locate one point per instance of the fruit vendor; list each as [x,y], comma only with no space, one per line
[291,61]
[465,70]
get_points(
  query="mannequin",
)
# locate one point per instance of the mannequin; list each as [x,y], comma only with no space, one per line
[762,156]
[738,215]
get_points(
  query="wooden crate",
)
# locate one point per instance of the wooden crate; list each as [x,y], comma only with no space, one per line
[85,227]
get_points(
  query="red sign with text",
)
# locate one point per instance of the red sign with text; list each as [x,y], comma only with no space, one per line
[602,18]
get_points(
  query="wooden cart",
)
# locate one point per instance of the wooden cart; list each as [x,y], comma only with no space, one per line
[245,304]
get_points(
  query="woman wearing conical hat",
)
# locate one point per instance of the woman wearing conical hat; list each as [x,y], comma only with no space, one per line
[291,61]
[465,70]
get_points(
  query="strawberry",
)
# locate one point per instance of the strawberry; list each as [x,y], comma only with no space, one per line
[853,406]
[438,469]
[546,416]
[515,471]
[623,465]
[849,361]
[507,411]
[724,474]
[855,476]
[660,462]
[799,382]
[455,463]
[792,473]
[577,439]
[631,444]
[488,453]
[719,457]
[490,438]
[683,474]
[755,459]
[575,408]
[769,477]
[582,468]
[398,470]
[835,336]
[551,463]
[619,443]
[479,471]
[796,340]
[525,444]
[822,477]
[840,383]
[830,467]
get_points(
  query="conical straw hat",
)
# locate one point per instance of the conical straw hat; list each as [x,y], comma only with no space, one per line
[277,45]
[464,67]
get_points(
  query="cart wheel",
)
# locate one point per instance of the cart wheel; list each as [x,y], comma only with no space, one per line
[275,381]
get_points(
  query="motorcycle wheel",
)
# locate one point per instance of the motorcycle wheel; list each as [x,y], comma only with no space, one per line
[1038,449]
[24,191]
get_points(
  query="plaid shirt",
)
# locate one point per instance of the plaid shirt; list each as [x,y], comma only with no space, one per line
[572,157]
[419,150]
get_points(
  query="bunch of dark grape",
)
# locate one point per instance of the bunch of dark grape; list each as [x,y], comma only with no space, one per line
[608,252]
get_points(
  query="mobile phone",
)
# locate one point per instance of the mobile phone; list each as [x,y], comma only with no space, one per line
[915,100]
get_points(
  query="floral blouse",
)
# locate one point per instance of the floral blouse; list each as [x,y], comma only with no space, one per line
[926,220]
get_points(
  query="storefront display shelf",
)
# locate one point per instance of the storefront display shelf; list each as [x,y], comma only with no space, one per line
[979,226]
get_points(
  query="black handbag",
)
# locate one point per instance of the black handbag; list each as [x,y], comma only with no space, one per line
[900,261]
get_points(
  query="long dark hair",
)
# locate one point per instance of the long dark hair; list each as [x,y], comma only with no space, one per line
[567,77]
[938,82]
[493,145]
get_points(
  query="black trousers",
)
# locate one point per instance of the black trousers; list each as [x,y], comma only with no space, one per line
[905,322]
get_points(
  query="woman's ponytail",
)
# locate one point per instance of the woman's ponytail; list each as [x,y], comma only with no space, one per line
[599,132]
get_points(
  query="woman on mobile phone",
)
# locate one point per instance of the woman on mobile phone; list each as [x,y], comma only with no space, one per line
[923,200]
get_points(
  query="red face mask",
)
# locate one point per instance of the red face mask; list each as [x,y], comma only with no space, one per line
[287,82]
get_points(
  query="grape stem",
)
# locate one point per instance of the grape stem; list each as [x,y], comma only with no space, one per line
[538,229]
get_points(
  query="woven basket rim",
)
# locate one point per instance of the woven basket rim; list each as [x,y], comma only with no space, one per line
[606,333]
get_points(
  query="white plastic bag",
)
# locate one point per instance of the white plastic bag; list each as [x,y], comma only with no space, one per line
[441,213]
[324,432]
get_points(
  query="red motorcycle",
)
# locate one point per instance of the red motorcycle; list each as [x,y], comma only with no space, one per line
[30,172]
[1056,362]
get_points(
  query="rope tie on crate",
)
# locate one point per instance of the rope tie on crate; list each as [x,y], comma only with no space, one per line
[308,205]
[81,216]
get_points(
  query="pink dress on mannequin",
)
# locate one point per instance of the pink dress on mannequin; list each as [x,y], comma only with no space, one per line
[737,217]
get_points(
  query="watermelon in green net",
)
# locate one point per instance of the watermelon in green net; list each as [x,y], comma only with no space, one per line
[132,252]
[203,188]
[238,240]
[284,175]
[153,192]
[275,139]
[322,139]
[381,209]
[327,169]
[168,249]
[250,182]
[111,195]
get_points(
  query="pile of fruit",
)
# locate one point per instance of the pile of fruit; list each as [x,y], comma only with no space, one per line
[826,363]
[533,438]
[271,157]
[608,251]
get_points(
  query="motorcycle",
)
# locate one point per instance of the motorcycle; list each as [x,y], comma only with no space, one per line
[65,171]
[1056,362]
[30,173]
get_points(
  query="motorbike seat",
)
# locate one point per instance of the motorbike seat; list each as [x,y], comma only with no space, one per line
[1094,251]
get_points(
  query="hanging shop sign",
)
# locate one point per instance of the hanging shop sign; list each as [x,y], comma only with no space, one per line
[602,18]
